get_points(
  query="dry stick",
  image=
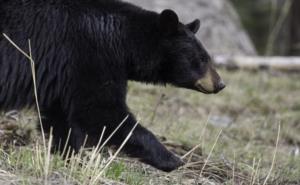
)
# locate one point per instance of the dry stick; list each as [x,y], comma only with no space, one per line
[101,137]
[79,155]
[115,155]
[75,159]
[67,141]
[120,148]
[67,154]
[48,155]
[38,157]
[16,46]
[191,151]
[233,168]
[256,172]
[113,133]
[72,164]
[97,148]
[208,157]
[35,94]
[29,57]
[95,151]
[253,169]
[274,156]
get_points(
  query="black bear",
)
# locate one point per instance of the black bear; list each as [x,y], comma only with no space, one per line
[85,51]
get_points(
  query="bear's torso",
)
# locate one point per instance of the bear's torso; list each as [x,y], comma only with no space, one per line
[65,36]
[84,53]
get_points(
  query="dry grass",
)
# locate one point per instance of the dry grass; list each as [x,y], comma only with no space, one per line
[248,112]
[92,169]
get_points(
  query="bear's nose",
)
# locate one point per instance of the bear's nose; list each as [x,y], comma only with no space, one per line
[221,85]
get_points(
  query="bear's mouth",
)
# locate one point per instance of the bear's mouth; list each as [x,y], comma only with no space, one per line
[203,90]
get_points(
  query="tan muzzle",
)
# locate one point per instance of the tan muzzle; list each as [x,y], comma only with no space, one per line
[210,82]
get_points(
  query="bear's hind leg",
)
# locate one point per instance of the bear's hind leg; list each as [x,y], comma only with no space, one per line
[65,137]
[60,131]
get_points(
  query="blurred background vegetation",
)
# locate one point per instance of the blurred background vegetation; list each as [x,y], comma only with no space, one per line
[273,25]
[240,27]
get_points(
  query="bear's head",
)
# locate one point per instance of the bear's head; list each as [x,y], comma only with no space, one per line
[186,63]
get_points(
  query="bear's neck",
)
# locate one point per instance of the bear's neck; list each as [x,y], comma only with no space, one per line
[144,55]
[129,35]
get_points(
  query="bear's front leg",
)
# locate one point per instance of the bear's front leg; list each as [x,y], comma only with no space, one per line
[142,144]
[98,100]
[145,146]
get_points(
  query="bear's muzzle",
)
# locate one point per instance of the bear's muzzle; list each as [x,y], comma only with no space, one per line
[211,82]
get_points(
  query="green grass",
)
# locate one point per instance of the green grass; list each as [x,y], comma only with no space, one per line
[248,112]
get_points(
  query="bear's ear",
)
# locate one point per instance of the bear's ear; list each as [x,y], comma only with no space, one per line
[168,21]
[194,26]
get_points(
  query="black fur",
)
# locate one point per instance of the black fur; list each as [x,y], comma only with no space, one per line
[85,51]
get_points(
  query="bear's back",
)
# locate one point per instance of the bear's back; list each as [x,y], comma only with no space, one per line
[51,27]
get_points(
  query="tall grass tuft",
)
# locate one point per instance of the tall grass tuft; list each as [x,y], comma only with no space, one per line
[90,166]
